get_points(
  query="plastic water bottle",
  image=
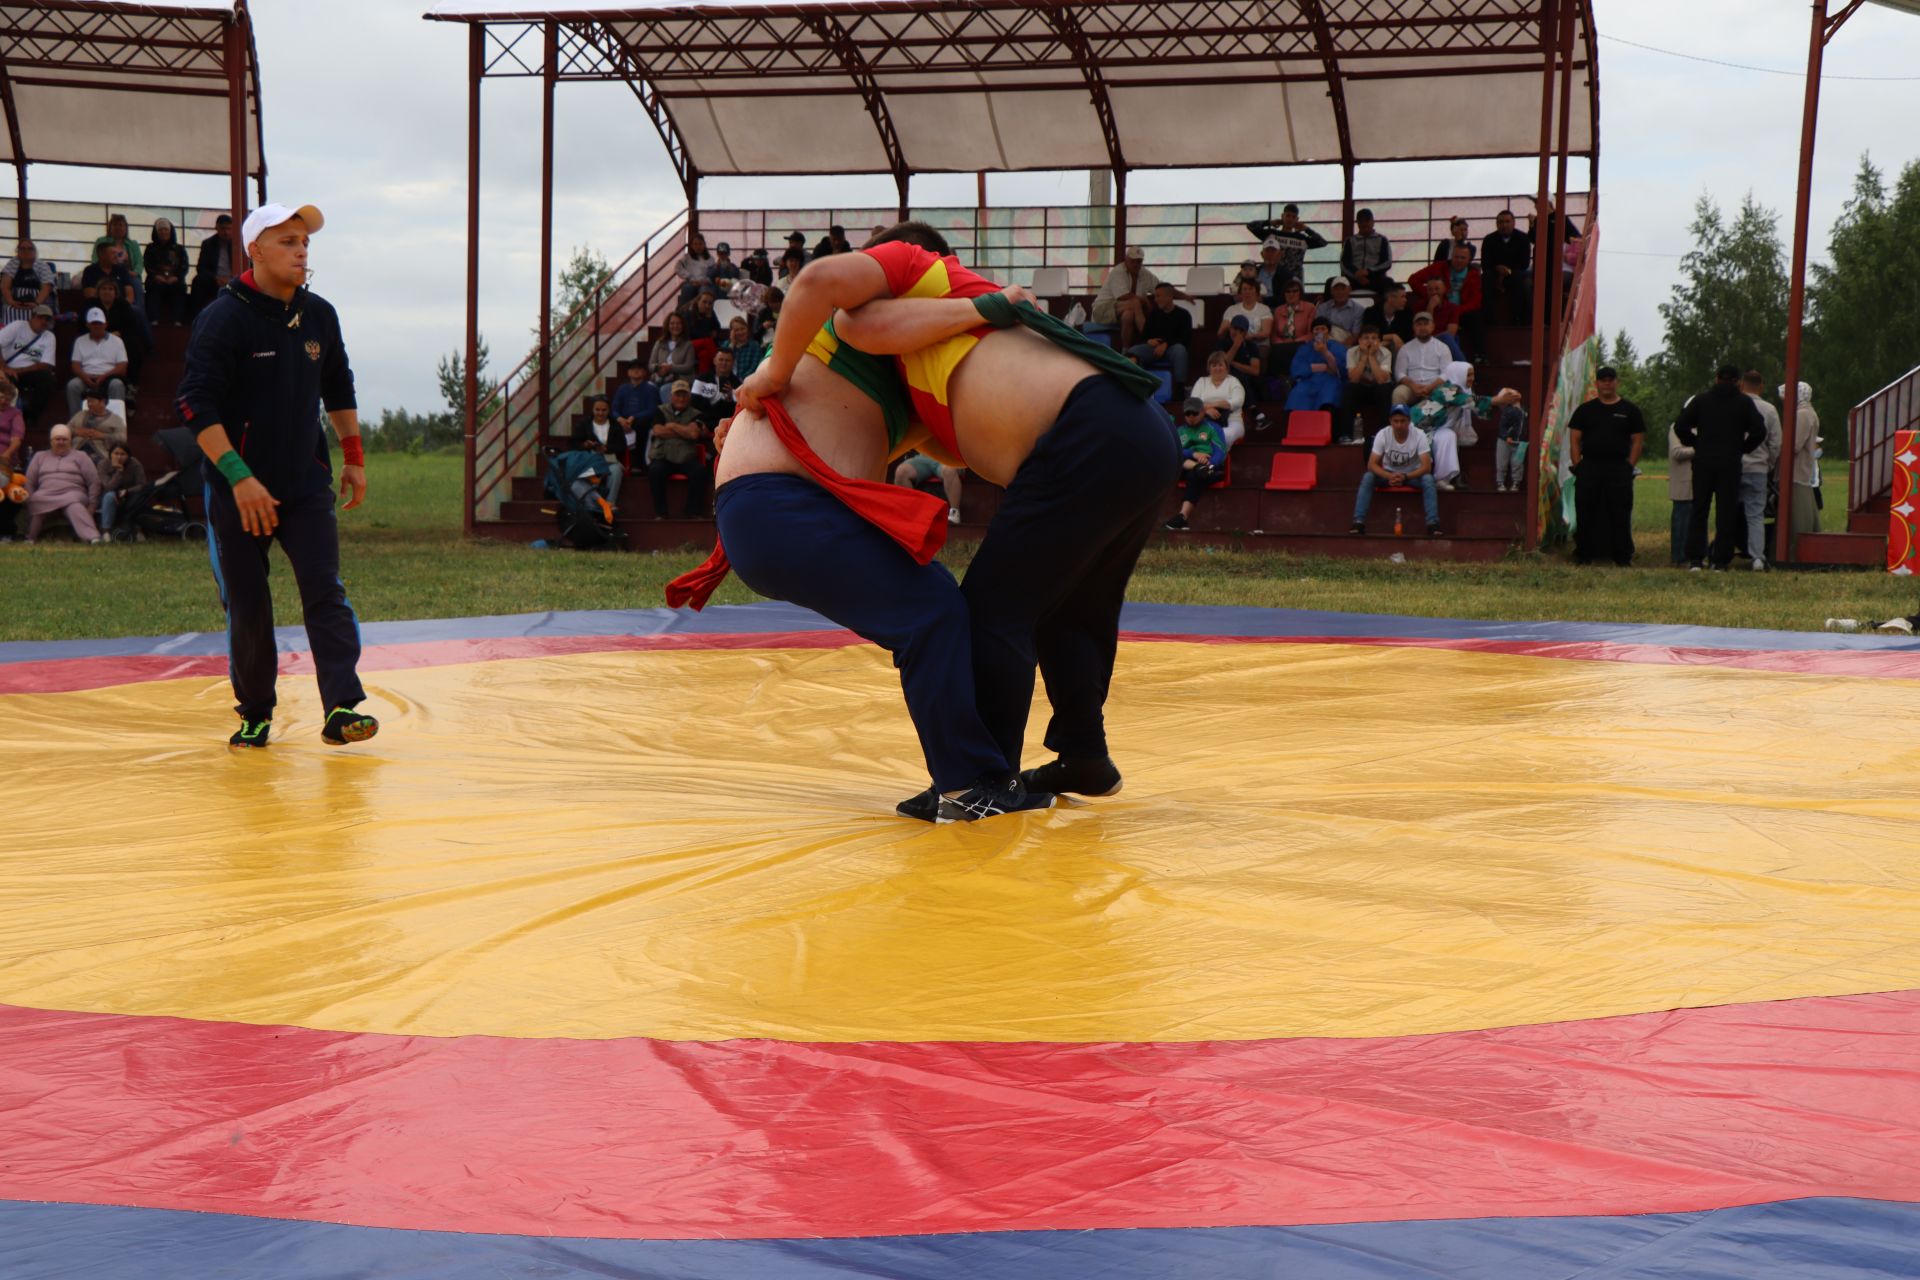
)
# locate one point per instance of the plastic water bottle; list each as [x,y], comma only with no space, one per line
[1843,624]
[1359,428]
[1398,528]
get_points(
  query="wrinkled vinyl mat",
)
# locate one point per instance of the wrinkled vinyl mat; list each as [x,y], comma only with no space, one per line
[1412,948]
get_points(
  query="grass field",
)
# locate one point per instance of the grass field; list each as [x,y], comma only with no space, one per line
[404,558]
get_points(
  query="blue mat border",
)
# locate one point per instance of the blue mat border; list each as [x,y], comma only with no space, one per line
[1164,619]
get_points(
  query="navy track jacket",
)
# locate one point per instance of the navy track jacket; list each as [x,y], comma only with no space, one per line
[261,368]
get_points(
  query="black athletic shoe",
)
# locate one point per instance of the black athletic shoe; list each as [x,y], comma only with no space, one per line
[1433,531]
[1177,523]
[252,733]
[1357,528]
[345,725]
[925,806]
[990,800]
[1083,777]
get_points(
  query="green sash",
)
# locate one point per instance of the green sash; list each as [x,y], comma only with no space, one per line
[997,311]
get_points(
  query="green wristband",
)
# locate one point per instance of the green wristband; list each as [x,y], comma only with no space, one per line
[997,310]
[233,467]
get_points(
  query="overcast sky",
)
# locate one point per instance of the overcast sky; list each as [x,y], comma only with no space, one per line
[366,117]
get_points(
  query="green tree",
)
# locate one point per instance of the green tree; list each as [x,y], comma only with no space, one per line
[1729,306]
[585,274]
[1863,313]
[452,373]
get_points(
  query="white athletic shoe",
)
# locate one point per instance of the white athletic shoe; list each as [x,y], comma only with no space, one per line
[953,515]
[1759,565]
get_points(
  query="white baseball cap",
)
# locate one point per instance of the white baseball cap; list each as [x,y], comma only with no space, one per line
[269,216]
[96,316]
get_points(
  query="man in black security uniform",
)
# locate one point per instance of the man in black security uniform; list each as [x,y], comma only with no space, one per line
[1605,437]
[263,355]
[1719,425]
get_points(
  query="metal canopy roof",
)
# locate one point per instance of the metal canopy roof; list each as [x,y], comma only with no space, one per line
[123,85]
[904,86]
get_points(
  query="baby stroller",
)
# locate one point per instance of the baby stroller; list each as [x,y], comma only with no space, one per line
[166,507]
[585,519]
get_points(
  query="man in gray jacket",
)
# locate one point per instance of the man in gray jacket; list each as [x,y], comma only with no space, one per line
[1756,466]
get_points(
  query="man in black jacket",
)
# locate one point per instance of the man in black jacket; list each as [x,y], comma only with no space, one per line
[1295,238]
[215,264]
[264,355]
[1719,425]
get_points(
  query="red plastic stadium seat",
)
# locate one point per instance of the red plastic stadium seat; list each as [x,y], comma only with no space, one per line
[1309,427]
[1226,474]
[1294,471]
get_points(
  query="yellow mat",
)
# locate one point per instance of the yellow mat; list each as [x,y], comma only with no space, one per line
[1314,839]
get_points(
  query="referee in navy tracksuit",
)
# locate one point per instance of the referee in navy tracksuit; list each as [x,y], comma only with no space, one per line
[263,356]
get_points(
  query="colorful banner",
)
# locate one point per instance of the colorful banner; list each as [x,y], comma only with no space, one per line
[1571,387]
[1903,557]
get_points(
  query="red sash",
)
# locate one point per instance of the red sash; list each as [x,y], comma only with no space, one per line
[915,520]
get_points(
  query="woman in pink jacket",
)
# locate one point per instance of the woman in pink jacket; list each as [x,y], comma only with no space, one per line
[63,479]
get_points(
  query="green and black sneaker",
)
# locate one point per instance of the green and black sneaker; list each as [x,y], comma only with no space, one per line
[252,733]
[345,725]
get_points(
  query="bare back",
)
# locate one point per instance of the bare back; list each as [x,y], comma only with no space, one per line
[844,426]
[1005,395]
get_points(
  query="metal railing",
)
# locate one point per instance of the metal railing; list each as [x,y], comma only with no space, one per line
[64,230]
[1870,428]
[1005,243]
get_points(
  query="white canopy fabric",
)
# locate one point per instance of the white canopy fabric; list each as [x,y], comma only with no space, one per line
[864,86]
[122,85]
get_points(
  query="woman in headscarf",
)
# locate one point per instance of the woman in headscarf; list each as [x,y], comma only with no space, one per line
[166,261]
[63,479]
[1448,413]
[1806,462]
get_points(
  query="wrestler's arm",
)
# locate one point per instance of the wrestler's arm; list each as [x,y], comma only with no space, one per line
[896,326]
[842,281]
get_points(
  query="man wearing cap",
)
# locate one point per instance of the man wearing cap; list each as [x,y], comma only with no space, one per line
[1401,457]
[263,357]
[679,431]
[1367,256]
[725,270]
[1122,299]
[1294,238]
[99,363]
[26,359]
[1343,311]
[1604,439]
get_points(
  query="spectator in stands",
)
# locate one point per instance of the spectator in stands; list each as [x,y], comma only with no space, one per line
[123,321]
[917,469]
[109,263]
[679,432]
[1461,286]
[1805,509]
[633,406]
[702,324]
[99,362]
[790,264]
[1164,336]
[96,429]
[1400,457]
[1271,273]
[613,441]
[796,243]
[725,270]
[757,268]
[1222,398]
[1292,326]
[166,261]
[1295,238]
[835,241]
[1392,317]
[1420,365]
[26,359]
[695,268]
[1757,466]
[1505,258]
[1123,300]
[13,431]
[1367,256]
[120,478]
[118,237]
[1446,319]
[1342,310]
[672,357]
[1247,362]
[1369,388]
[714,393]
[1719,425]
[63,480]
[1541,239]
[1446,414]
[25,283]
[1680,494]
[1249,272]
[747,354]
[1257,316]
[1510,451]
[1202,455]
[1604,439]
[215,265]
[1456,238]
[1319,372]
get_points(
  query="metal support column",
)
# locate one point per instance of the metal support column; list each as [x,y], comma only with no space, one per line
[1346,204]
[235,55]
[1537,349]
[549,74]
[1558,331]
[469,428]
[1120,211]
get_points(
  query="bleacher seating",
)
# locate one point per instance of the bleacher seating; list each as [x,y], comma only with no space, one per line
[1307,428]
[1205,281]
[1294,472]
[1049,282]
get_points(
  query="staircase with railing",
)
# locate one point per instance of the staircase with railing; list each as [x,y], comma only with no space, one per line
[1870,431]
